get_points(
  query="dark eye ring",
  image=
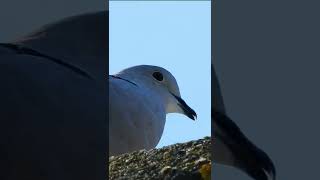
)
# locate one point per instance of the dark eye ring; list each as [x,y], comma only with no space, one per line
[158,76]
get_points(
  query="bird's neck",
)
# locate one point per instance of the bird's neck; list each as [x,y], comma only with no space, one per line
[80,40]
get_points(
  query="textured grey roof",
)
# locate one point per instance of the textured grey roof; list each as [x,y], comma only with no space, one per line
[190,160]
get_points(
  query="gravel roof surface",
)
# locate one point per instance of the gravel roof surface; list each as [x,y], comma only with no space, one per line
[182,161]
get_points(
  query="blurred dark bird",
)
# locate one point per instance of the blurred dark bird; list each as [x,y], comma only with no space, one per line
[231,147]
[53,115]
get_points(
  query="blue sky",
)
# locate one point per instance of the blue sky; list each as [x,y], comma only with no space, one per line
[175,36]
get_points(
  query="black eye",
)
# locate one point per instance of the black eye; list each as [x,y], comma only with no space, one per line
[158,76]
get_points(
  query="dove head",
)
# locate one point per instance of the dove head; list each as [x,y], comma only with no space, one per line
[163,83]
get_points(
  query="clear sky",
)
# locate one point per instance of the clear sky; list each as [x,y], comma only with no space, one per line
[175,36]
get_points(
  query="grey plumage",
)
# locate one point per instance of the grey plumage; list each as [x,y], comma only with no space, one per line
[139,99]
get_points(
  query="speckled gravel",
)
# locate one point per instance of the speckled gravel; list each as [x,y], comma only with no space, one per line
[182,161]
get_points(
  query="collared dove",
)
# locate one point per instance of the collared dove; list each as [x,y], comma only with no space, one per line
[139,99]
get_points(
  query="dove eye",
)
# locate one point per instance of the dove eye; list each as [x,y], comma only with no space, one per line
[158,76]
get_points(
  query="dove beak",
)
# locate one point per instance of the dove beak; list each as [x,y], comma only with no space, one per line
[185,108]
